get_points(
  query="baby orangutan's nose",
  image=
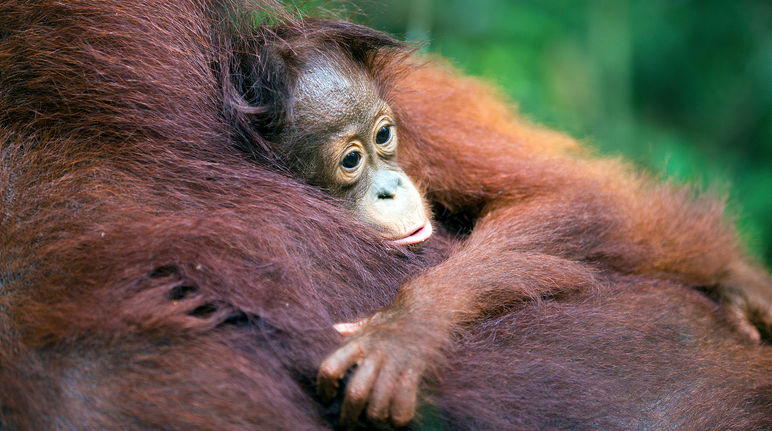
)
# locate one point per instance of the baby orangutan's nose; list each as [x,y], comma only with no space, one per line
[385,184]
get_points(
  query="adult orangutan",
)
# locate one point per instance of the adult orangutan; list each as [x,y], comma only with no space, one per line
[155,277]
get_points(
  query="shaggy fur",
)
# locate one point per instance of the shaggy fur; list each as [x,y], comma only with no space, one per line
[537,211]
[152,276]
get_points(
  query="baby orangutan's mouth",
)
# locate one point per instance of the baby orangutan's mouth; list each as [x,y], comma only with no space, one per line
[416,235]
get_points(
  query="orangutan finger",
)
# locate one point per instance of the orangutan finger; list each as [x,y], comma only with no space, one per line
[761,307]
[738,319]
[765,317]
[404,403]
[381,395]
[762,315]
[334,367]
[351,328]
[357,392]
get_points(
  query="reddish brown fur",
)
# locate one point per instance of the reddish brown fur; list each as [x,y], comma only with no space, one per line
[538,211]
[154,277]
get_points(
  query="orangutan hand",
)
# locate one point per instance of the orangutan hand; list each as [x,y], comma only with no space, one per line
[747,293]
[390,352]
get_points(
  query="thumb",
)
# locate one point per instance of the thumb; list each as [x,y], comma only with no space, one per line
[351,328]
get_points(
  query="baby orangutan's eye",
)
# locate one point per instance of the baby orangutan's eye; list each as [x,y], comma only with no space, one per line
[351,160]
[384,135]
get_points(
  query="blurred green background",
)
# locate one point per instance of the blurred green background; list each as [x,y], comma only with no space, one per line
[681,88]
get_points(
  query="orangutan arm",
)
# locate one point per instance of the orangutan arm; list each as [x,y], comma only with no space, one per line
[396,347]
[472,155]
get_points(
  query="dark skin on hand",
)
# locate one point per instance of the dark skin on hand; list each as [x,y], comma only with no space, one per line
[343,137]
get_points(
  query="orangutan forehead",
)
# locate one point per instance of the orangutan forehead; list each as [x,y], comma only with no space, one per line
[335,89]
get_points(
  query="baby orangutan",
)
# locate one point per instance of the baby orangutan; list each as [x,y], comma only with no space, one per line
[542,225]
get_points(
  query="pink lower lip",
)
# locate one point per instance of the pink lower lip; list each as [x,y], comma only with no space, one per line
[420,234]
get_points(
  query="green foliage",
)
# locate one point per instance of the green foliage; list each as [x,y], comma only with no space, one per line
[681,88]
